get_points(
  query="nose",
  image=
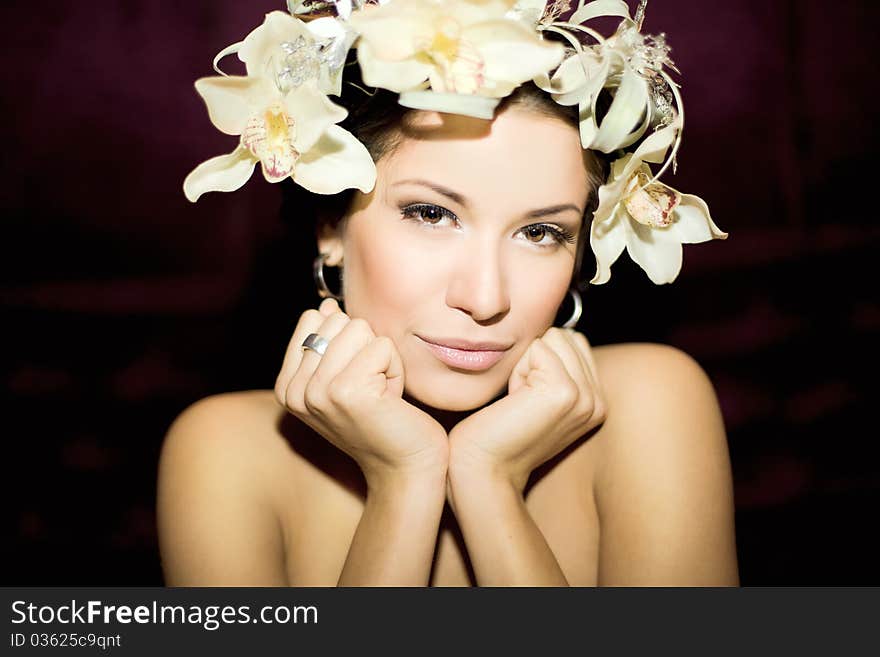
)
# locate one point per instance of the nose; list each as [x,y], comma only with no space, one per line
[478,283]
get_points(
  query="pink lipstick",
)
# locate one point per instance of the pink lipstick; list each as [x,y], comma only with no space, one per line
[466,359]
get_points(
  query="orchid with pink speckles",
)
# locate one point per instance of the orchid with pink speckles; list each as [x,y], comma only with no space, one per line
[651,220]
[462,57]
[282,117]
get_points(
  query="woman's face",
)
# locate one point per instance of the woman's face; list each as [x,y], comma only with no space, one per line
[469,234]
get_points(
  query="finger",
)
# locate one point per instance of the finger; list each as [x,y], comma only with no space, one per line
[540,365]
[562,343]
[353,337]
[309,322]
[377,368]
[329,329]
[582,355]
[328,306]
[586,351]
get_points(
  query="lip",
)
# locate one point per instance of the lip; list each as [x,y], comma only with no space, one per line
[479,355]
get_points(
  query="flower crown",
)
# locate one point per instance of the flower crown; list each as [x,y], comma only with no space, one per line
[462,57]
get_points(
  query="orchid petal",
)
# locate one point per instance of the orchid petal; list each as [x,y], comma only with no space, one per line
[469,12]
[570,85]
[480,107]
[654,148]
[610,196]
[600,8]
[655,250]
[263,44]
[638,132]
[341,38]
[312,113]
[230,100]
[528,11]
[343,8]
[396,76]
[607,241]
[511,51]
[693,224]
[338,161]
[224,173]
[542,81]
[630,101]
[587,126]
[393,30]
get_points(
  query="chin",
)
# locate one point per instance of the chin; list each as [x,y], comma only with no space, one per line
[453,397]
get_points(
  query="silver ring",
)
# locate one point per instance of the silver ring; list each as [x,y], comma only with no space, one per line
[316,343]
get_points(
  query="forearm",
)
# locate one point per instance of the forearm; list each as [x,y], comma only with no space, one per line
[505,546]
[395,539]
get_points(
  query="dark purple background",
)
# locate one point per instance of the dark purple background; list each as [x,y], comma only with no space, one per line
[123,303]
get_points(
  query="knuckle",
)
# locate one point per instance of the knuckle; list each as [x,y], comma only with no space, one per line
[600,411]
[339,392]
[294,402]
[592,408]
[314,397]
[586,408]
[566,395]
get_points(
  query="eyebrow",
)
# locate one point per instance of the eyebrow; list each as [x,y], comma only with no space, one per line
[462,201]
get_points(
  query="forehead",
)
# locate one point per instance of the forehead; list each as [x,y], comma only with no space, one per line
[519,158]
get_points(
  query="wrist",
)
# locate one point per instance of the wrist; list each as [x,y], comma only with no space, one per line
[470,468]
[425,468]
[481,494]
[475,479]
[424,479]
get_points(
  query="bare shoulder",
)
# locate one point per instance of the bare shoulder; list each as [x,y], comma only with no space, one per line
[235,427]
[662,477]
[645,382]
[216,518]
[661,404]
[618,362]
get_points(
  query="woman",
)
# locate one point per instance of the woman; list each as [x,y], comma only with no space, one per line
[440,430]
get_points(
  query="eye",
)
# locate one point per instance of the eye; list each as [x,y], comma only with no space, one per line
[426,213]
[539,231]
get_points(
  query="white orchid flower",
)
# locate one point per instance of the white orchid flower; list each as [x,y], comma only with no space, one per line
[628,62]
[651,222]
[458,48]
[283,121]
[291,51]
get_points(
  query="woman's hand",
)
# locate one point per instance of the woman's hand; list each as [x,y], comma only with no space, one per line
[352,396]
[554,397]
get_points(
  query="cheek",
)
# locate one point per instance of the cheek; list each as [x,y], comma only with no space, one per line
[386,277]
[537,291]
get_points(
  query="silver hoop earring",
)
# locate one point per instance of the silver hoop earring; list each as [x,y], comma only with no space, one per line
[578,309]
[318,270]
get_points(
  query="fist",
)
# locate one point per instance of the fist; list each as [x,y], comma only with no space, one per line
[352,396]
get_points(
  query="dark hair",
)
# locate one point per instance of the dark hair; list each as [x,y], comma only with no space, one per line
[379,122]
